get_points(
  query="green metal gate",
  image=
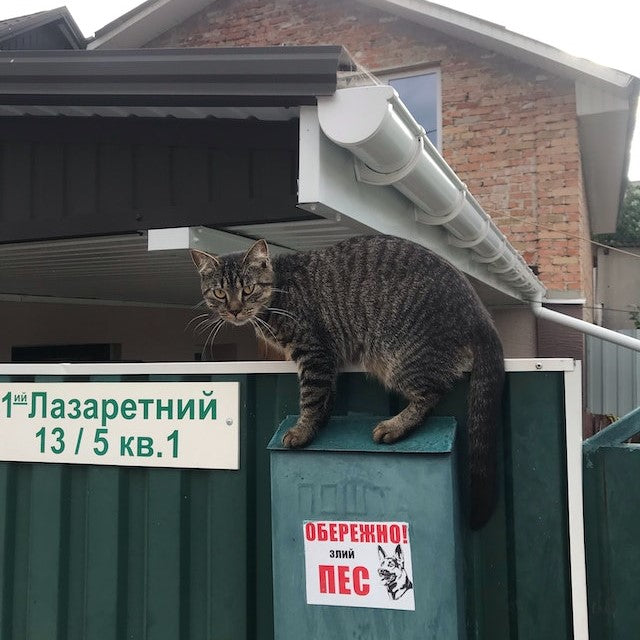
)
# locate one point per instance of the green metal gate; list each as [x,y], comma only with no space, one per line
[101,553]
[612,528]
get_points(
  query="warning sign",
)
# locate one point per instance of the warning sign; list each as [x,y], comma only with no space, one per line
[359,564]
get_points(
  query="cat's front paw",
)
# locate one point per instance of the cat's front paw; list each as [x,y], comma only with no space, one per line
[388,431]
[298,436]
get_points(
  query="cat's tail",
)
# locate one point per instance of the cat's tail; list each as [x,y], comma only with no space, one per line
[484,415]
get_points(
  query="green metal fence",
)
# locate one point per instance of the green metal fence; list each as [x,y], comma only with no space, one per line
[100,553]
[612,530]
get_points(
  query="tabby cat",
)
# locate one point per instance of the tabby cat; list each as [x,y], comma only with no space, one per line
[399,310]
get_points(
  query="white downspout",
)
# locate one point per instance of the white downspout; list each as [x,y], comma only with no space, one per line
[585,327]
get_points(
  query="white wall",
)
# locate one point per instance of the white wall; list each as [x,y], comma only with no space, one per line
[618,286]
[156,334]
[517,329]
[147,334]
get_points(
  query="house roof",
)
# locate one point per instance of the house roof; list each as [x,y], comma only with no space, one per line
[153,17]
[497,38]
[59,19]
[144,22]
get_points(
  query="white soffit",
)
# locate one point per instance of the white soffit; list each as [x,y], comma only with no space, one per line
[605,124]
[116,268]
[304,235]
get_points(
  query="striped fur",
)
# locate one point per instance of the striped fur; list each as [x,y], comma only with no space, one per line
[402,312]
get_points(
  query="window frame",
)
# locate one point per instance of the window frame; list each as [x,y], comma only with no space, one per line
[396,74]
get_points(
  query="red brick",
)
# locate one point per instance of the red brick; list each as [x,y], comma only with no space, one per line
[509,130]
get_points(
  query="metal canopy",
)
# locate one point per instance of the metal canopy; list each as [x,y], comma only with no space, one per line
[163,83]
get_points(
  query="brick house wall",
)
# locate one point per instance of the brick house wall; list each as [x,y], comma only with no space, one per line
[510,131]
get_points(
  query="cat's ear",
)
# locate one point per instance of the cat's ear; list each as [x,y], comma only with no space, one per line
[204,261]
[381,554]
[258,254]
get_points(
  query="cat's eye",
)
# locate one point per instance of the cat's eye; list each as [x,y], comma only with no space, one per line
[219,293]
[248,290]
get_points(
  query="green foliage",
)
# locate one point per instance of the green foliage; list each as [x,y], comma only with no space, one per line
[628,229]
[635,316]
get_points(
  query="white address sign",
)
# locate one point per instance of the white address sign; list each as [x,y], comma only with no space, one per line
[158,424]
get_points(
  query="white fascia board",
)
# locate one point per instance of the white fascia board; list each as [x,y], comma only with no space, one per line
[148,23]
[605,125]
[328,186]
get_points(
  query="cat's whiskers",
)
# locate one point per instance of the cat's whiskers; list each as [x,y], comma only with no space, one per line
[256,327]
[202,315]
[212,335]
[267,326]
[282,312]
[204,325]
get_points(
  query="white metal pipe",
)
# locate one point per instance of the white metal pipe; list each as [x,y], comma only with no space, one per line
[585,327]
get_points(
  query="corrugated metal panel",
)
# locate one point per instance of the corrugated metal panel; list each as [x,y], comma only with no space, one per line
[90,553]
[613,376]
[106,268]
[238,113]
[302,235]
[89,176]
[106,553]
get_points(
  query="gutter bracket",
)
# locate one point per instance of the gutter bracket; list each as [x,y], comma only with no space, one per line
[369,176]
[467,244]
[446,216]
[492,258]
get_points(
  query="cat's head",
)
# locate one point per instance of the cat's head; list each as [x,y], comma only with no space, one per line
[236,286]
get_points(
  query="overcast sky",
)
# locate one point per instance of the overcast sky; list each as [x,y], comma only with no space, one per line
[606,33]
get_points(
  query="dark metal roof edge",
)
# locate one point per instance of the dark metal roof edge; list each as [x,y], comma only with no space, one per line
[172,76]
[42,18]
[329,51]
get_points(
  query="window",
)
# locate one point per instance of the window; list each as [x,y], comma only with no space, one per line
[421,93]
[66,353]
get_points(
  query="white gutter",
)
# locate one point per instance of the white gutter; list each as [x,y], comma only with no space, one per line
[391,148]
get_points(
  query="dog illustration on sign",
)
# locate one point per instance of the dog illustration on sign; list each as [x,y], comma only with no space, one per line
[393,574]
